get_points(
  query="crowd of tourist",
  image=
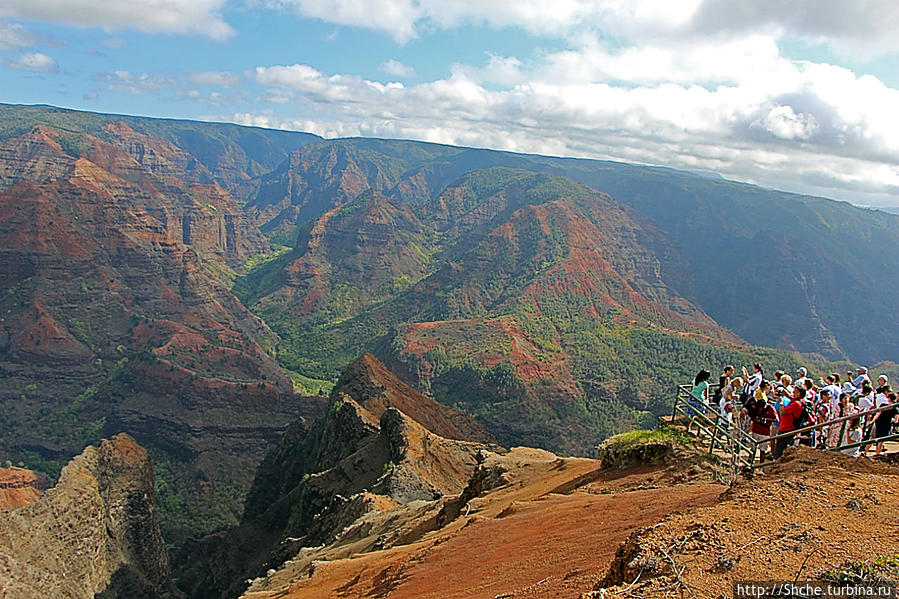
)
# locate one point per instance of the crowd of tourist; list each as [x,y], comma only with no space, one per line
[764,408]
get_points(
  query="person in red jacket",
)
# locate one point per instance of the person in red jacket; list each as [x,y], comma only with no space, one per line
[790,420]
[761,415]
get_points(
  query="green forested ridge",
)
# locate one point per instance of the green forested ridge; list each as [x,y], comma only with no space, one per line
[501,250]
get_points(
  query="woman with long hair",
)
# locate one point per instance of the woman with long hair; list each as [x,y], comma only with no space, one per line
[699,392]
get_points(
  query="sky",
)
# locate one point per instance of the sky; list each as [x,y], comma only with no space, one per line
[799,95]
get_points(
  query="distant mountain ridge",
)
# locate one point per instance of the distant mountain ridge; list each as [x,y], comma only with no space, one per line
[721,228]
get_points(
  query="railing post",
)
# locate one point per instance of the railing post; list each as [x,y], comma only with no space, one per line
[714,436]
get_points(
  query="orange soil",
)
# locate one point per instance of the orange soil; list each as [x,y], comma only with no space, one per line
[811,513]
[551,532]
[18,487]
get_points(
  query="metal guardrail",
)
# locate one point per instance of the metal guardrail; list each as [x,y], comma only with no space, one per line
[732,440]
[735,441]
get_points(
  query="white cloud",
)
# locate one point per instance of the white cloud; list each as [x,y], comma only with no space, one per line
[867,26]
[214,79]
[396,68]
[248,119]
[406,19]
[794,126]
[33,61]
[153,16]
[783,122]
[13,35]
[131,83]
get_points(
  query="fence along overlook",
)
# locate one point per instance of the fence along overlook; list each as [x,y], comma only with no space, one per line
[737,445]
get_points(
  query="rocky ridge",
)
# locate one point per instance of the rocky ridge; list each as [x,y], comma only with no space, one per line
[352,478]
[497,268]
[808,518]
[535,525]
[94,534]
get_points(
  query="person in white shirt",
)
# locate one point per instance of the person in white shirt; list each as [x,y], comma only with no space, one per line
[854,435]
[861,378]
[866,398]
[865,403]
[883,381]
[801,375]
[835,391]
[755,379]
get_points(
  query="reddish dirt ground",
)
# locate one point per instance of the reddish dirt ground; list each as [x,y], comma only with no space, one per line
[812,515]
[19,487]
[551,532]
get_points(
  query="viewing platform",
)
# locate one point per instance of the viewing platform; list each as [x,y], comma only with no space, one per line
[731,442]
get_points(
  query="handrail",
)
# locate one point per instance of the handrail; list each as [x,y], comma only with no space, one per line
[742,441]
[812,427]
[712,428]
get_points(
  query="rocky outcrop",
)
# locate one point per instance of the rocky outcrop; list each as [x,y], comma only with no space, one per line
[356,471]
[95,533]
[376,388]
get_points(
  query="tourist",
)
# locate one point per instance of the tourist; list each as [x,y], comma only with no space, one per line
[775,382]
[726,409]
[762,416]
[847,408]
[831,381]
[811,394]
[882,423]
[866,398]
[854,435]
[723,382]
[823,411]
[883,382]
[866,402]
[801,376]
[699,393]
[784,393]
[862,377]
[790,421]
[753,380]
[731,391]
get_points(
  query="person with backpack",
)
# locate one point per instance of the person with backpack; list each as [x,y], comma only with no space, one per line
[808,417]
[792,417]
[761,415]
